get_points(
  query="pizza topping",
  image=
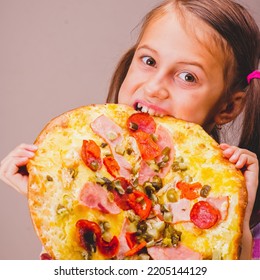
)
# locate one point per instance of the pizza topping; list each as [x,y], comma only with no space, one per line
[109,249]
[111,165]
[179,252]
[204,215]
[141,122]
[204,192]
[172,195]
[179,164]
[140,203]
[189,190]
[113,135]
[94,196]
[135,249]
[89,235]
[221,203]
[91,154]
[148,148]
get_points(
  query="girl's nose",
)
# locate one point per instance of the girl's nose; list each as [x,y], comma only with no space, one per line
[155,88]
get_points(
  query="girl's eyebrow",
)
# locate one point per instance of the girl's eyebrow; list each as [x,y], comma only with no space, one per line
[146,47]
[186,62]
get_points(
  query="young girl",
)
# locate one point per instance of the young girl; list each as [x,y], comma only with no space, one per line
[195,60]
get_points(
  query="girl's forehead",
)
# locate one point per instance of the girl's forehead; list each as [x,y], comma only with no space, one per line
[193,26]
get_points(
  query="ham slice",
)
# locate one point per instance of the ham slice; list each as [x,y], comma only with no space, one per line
[179,252]
[112,134]
[180,210]
[123,247]
[221,203]
[94,196]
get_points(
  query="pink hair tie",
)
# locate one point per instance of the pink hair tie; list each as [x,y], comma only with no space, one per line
[254,75]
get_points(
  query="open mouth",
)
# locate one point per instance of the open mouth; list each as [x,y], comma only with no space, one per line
[145,109]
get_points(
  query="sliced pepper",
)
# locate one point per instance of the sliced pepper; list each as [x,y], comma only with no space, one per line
[141,122]
[130,239]
[85,228]
[135,249]
[91,154]
[189,191]
[111,165]
[140,203]
[149,149]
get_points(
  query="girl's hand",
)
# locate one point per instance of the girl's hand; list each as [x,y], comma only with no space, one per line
[248,163]
[13,167]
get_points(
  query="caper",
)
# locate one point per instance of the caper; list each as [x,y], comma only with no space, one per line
[142,226]
[94,165]
[157,182]
[133,126]
[204,192]
[73,172]
[161,164]
[171,195]
[103,145]
[166,151]
[149,189]
[129,189]
[183,166]
[165,159]
[154,137]
[129,151]
[49,178]
[148,237]
[117,185]
[175,166]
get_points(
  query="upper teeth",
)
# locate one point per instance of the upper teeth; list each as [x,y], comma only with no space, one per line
[150,111]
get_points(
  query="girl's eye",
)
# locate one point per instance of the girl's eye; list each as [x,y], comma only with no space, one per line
[149,61]
[187,77]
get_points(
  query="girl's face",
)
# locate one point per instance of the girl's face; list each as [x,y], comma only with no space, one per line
[173,73]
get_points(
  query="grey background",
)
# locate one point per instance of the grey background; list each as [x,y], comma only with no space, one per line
[55,55]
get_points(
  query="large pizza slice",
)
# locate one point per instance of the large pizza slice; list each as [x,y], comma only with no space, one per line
[108,182]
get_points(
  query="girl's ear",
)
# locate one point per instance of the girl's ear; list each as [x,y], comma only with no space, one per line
[231,109]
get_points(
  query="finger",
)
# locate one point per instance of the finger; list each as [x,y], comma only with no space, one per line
[235,156]
[12,164]
[10,169]
[242,161]
[9,174]
[229,151]
[23,150]
[224,146]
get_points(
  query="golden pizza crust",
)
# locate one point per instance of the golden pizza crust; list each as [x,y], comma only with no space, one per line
[57,174]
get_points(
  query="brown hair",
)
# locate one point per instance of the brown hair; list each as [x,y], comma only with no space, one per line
[237,27]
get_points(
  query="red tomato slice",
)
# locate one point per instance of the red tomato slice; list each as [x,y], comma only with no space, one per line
[108,249]
[130,239]
[141,122]
[91,154]
[142,208]
[111,165]
[122,199]
[204,215]
[189,191]
[135,249]
[148,148]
